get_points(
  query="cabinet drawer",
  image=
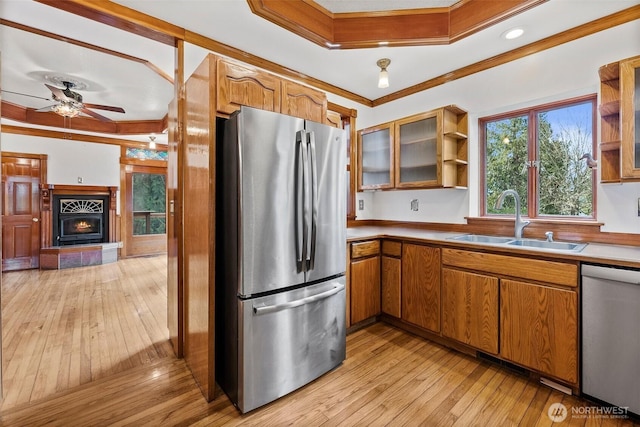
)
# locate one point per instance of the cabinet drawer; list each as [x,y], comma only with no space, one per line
[558,273]
[392,248]
[364,249]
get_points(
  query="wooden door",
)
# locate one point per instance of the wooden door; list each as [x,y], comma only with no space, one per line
[539,328]
[145,213]
[421,286]
[391,273]
[470,309]
[21,177]
[365,288]
[304,102]
[239,85]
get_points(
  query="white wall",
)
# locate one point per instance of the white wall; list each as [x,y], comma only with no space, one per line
[96,164]
[563,72]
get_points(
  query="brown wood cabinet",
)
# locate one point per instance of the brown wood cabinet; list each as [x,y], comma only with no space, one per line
[538,307]
[364,281]
[630,117]
[240,84]
[421,286]
[375,157]
[426,150]
[303,101]
[539,328]
[391,272]
[470,309]
[619,133]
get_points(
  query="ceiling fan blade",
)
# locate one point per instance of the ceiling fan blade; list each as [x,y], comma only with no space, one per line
[45,109]
[26,94]
[105,107]
[95,115]
[58,93]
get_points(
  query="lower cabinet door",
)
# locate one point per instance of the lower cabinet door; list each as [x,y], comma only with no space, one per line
[470,309]
[365,288]
[539,328]
[421,286]
[390,283]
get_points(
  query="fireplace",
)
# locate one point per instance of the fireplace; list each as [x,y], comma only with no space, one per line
[80,219]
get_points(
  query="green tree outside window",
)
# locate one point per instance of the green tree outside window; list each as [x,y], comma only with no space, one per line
[540,150]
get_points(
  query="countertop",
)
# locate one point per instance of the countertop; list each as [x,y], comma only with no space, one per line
[626,256]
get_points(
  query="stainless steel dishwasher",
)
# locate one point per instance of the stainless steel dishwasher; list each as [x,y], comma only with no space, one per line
[611,335]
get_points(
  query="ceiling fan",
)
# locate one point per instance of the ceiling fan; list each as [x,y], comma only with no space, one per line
[70,103]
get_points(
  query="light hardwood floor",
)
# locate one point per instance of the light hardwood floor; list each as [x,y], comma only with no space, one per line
[64,328]
[389,377]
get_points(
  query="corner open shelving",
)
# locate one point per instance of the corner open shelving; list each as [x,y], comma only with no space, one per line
[455,150]
[609,123]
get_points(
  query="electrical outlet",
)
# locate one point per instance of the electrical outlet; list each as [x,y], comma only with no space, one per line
[414,205]
[80,180]
[360,205]
[638,206]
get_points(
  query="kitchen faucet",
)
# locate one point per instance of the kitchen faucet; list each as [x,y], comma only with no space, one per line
[520,224]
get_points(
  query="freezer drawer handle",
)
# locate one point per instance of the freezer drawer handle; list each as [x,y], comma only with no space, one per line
[264,309]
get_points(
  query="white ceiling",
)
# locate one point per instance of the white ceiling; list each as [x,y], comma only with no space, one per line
[28,58]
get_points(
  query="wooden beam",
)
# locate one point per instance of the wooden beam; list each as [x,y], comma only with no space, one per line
[44,133]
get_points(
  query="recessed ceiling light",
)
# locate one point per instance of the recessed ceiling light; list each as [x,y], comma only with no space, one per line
[513,33]
[383,43]
[332,45]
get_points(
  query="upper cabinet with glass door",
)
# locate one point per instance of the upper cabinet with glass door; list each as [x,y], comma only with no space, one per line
[427,150]
[417,150]
[630,117]
[375,157]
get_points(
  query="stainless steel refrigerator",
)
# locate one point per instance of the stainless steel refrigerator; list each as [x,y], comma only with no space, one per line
[281,255]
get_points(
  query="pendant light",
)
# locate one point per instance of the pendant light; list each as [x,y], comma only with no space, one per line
[383,77]
[152,144]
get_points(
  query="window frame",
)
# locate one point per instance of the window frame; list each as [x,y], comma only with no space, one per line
[533,153]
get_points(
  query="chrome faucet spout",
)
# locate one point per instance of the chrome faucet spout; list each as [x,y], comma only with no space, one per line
[520,224]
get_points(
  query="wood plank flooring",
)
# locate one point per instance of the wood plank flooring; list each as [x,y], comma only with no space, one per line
[64,328]
[390,378]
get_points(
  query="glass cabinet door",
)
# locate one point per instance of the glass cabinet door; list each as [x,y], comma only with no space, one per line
[376,157]
[417,149]
[630,116]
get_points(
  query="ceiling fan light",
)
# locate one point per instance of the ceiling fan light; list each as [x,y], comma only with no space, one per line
[66,110]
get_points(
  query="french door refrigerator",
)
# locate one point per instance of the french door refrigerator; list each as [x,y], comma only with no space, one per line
[281,255]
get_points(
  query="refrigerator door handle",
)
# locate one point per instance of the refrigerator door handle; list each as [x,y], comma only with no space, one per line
[265,309]
[307,208]
[299,201]
[314,199]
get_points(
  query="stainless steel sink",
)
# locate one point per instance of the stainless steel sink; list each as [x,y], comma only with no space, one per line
[523,243]
[478,238]
[543,244]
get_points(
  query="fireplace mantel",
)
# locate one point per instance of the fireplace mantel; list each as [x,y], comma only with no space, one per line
[47,191]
